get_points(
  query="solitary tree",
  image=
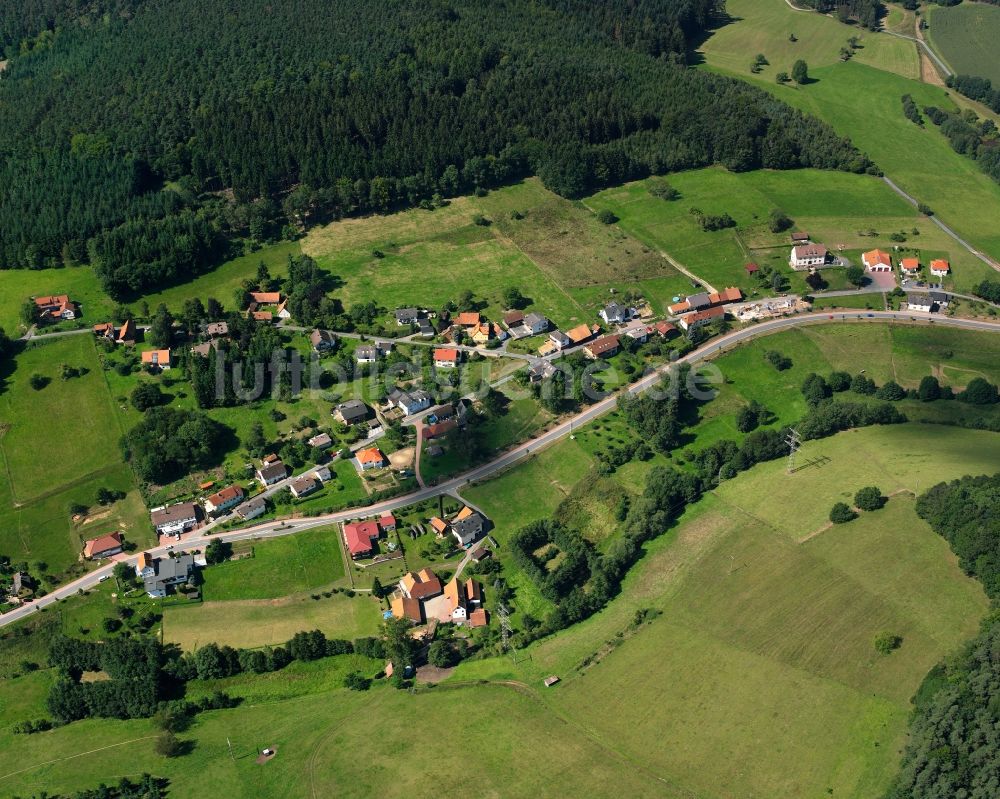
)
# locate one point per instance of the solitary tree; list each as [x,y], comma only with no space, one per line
[841,513]
[161,329]
[800,72]
[869,498]
[856,275]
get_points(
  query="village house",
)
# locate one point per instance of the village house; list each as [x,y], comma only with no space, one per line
[678,308]
[126,334]
[55,307]
[352,412]
[806,255]
[751,269]
[204,349]
[725,296]
[480,617]
[909,266]
[387,522]
[420,585]
[462,598]
[615,314]
[320,441]
[468,319]
[263,299]
[322,473]
[217,329]
[664,329]
[513,319]
[799,237]
[536,323]
[304,486]
[403,607]
[221,501]
[425,328]
[940,267]
[928,302]
[698,318]
[371,458]
[877,261]
[359,538]
[103,546]
[271,473]
[439,526]
[407,316]
[410,402]
[157,359]
[437,429]
[542,370]
[167,572]
[145,566]
[559,340]
[637,331]
[467,526]
[602,348]
[322,341]
[251,509]
[366,353]
[174,519]
[446,358]
[21,581]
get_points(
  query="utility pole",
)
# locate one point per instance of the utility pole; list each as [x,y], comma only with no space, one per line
[794,441]
[230,745]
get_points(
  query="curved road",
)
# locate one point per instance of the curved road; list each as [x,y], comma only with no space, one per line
[275,529]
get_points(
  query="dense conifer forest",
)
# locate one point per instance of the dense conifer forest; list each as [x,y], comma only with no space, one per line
[141,135]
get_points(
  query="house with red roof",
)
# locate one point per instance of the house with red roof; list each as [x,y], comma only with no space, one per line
[940,267]
[221,501]
[602,348]
[103,546]
[423,584]
[387,522]
[359,538]
[751,268]
[370,458]
[877,261]
[909,266]
[698,318]
[55,307]
[446,357]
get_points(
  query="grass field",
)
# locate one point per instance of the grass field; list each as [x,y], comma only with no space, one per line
[557,253]
[863,102]
[759,678]
[836,208]
[80,283]
[281,566]
[764,26]
[965,36]
[52,458]
[262,622]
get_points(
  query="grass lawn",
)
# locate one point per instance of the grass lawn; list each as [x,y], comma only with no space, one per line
[80,283]
[278,567]
[965,37]
[260,622]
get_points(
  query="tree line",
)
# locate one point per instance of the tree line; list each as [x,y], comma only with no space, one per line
[969,135]
[954,746]
[245,123]
[867,13]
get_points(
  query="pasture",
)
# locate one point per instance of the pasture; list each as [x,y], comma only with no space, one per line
[269,622]
[278,567]
[553,250]
[52,458]
[965,36]
[765,27]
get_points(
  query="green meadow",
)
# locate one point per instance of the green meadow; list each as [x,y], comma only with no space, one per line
[860,99]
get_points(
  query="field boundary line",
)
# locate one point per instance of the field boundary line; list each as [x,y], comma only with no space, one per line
[78,754]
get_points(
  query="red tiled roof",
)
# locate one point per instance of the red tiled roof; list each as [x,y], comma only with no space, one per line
[877,257]
[371,455]
[940,265]
[751,268]
[438,429]
[579,333]
[479,618]
[227,494]
[387,520]
[359,536]
[726,295]
[911,264]
[266,297]
[603,345]
[701,316]
[102,544]
[467,319]
[446,354]
[406,608]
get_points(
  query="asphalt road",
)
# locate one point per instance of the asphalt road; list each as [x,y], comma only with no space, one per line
[275,529]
